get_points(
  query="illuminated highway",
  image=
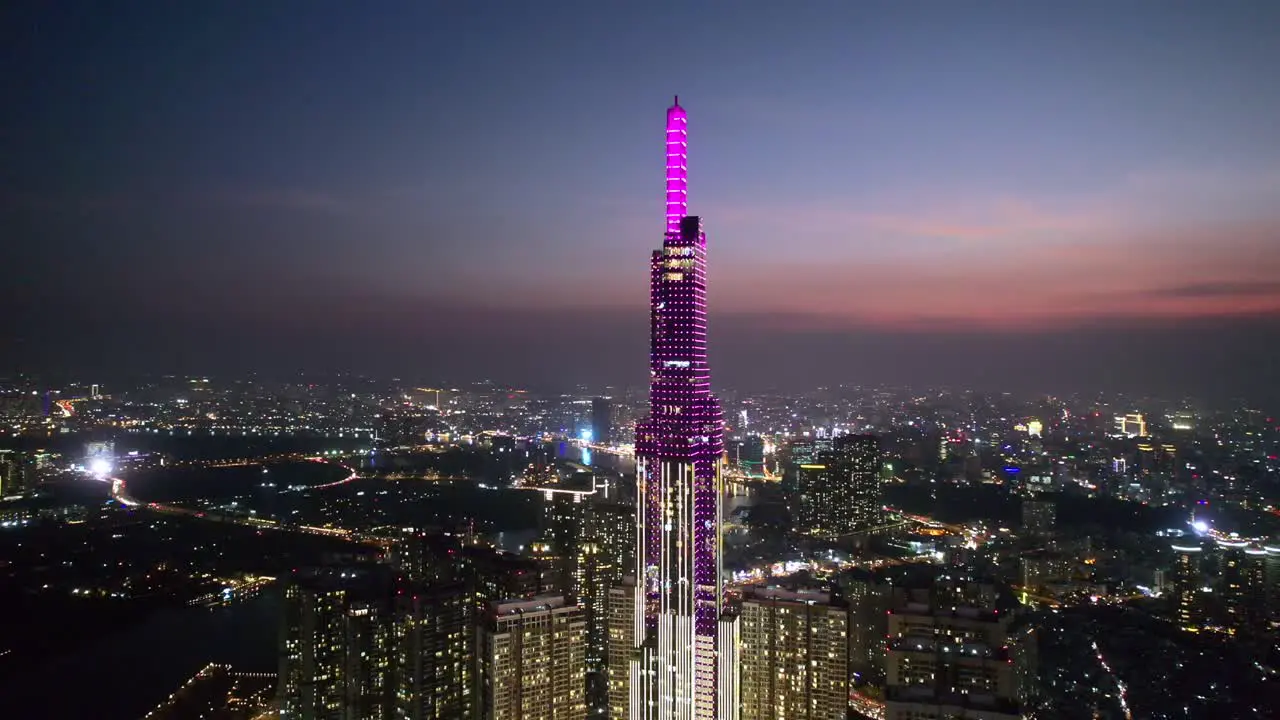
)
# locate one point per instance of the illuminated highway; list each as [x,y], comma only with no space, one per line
[119,493]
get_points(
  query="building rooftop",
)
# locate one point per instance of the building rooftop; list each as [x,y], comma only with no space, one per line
[534,604]
[773,593]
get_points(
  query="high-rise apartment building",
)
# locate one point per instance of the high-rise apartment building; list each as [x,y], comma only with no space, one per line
[1038,516]
[533,661]
[945,661]
[1256,603]
[445,621]
[434,674]
[605,555]
[335,646]
[685,664]
[795,455]
[806,451]
[1243,593]
[12,473]
[1233,584]
[585,546]
[1188,609]
[621,647]
[1271,573]
[794,656]
[561,532]
[839,492]
[869,596]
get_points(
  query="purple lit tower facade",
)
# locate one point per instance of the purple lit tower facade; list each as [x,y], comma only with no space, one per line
[685,665]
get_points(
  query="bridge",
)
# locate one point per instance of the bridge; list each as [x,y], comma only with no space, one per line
[119,493]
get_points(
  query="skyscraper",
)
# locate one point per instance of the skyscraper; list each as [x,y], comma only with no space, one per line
[602,420]
[685,662]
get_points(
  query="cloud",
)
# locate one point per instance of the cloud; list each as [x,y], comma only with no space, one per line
[272,198]
[284,198]
[1224,288]
[977,220]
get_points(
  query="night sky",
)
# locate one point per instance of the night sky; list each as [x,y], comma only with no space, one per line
[1011,195]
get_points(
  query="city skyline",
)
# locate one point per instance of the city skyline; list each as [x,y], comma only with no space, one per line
[324,388]
[1017,195]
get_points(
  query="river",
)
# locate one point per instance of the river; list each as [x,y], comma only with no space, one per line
[125,674]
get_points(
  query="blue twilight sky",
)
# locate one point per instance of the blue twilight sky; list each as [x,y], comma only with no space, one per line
[927,191]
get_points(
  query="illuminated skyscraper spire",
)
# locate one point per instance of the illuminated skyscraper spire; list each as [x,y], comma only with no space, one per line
[677,166]
[686,665]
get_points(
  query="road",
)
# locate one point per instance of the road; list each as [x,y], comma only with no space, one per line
[119,493]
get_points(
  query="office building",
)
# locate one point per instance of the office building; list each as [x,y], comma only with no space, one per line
[748,455]
[839,492]
[1131,425]
[686,659]
[602,421]
[794,655]
[533,660]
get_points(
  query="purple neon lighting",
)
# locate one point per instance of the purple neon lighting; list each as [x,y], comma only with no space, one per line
[677,166]
[685,427]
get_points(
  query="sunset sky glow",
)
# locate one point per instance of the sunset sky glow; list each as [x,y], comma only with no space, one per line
[897,168]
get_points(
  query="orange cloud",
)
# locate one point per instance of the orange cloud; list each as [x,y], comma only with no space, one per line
[1202,272]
